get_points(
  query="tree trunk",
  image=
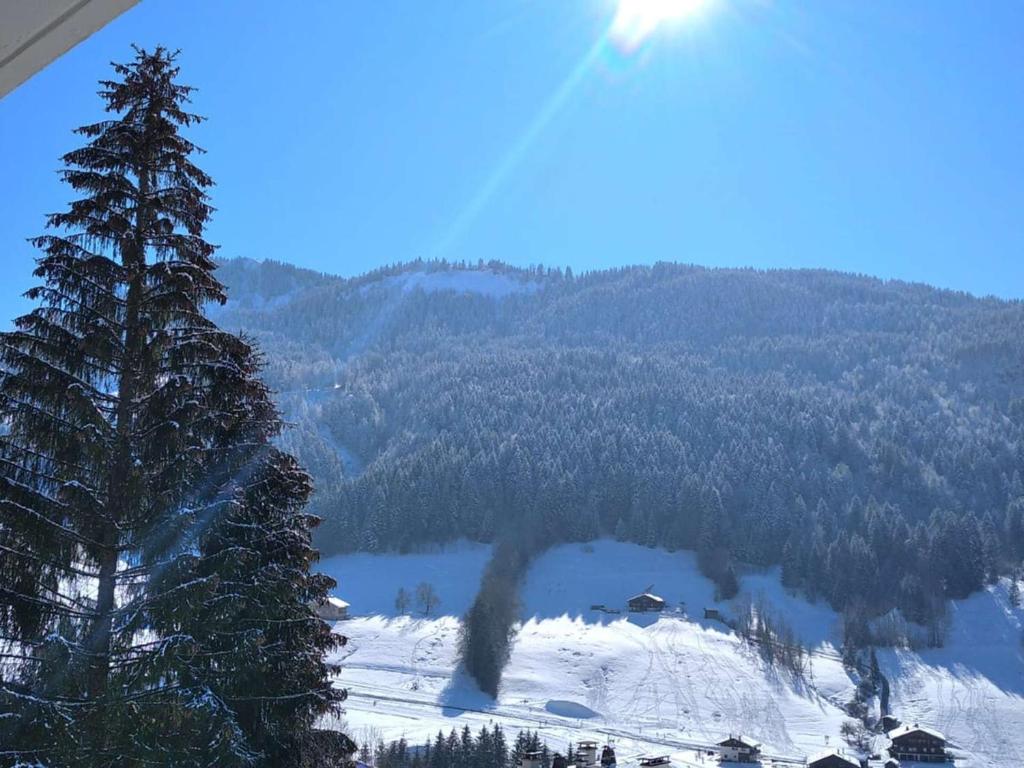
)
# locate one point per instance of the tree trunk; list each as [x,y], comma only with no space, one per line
[118,492]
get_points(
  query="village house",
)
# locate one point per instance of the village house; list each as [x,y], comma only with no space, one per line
[586,757]
[739,749]
[645,602]
[586,754]
[918,743]
[832,758]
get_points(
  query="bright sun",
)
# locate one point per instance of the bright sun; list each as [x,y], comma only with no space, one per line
[636,20]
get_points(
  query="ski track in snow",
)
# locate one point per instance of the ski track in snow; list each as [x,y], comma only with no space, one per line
[656,684]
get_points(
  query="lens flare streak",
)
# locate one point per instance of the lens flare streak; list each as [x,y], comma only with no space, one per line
[634,23]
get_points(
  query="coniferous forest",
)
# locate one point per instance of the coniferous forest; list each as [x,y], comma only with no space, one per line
[156,589]
[488,748]
[867,436]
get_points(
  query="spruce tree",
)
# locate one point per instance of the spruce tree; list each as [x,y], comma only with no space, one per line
[155,583]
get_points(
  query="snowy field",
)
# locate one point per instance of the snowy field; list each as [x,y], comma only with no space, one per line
[370,582]
[668,684]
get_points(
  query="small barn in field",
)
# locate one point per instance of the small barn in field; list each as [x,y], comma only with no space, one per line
[918,743]
[832,758]
[740,749]
[332,609]
[646,602]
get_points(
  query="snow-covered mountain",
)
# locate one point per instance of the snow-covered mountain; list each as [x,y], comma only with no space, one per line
[864,437]
[874,430]
[673,683]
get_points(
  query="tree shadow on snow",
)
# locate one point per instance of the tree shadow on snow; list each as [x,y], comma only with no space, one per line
[984,642]
[462,694]
[642,619]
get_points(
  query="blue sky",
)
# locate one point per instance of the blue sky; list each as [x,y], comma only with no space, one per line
[870,136]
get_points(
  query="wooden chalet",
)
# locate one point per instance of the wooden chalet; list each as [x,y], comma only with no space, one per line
[646,602]
[531,759]
[832,758]
[918,743]
[649,762]
[740,749]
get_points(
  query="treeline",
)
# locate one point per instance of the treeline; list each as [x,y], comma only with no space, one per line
[489,748]
[868,436]
[488,628]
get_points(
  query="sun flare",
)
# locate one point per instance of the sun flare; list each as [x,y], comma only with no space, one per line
[636,20]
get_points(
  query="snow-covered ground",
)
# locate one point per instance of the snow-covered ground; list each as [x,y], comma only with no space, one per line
[370,582]
[655,684]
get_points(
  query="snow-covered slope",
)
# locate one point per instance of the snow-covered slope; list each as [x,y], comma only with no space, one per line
[484,282]
[672,683]
[972,689]
[371,582]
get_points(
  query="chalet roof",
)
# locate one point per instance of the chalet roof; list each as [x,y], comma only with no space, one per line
[832,753]
[337,602]
[905,730]
[647,595]
[658,760]
[743,741]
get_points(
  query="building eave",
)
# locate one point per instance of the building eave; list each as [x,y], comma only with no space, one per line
[34,33]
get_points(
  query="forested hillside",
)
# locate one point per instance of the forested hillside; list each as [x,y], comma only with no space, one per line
[868,435]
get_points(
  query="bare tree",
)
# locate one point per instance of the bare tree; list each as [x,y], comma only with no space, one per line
[426,598]
[402,601]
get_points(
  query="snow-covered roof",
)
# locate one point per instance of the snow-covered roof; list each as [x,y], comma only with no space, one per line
[337,602]
[832,753]
[903,730]
[744,740]
[648,594]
